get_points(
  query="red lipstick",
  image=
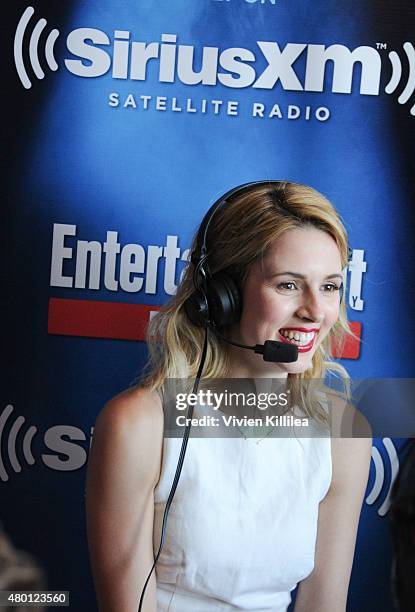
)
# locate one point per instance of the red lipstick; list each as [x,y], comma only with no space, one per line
[305,347]
[302,329]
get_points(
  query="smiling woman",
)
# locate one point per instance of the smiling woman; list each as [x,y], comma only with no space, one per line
[295,289]
[250,519]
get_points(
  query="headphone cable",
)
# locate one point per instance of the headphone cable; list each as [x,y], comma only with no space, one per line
[179,464]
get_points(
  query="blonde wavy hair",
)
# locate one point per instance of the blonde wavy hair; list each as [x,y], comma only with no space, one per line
[239,234]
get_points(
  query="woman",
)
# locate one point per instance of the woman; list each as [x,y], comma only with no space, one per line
[250,518]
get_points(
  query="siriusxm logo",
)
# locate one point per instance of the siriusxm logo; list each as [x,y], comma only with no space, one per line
[380,460]
[65,442]
[33,48]
[95,53]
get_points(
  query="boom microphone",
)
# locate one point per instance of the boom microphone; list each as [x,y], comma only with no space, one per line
[272,350]
[278,352]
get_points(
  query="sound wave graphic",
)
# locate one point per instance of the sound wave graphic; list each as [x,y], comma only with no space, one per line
[397,75]
[33,48]
[11,443]
[379,466]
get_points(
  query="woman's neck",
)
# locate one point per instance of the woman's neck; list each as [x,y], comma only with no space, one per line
[245,365]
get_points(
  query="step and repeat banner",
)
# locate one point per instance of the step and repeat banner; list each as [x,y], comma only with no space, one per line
[123,122]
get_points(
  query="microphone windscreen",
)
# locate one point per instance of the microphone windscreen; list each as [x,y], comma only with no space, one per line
[279,352]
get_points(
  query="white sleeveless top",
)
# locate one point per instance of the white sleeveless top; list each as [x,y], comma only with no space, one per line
[241,530]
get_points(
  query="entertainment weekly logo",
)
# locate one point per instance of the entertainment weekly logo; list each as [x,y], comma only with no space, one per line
[95,53]
[131,269]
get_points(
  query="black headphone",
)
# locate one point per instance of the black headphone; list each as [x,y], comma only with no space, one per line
[217,299]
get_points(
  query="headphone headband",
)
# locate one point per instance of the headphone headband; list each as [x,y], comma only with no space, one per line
[200,250]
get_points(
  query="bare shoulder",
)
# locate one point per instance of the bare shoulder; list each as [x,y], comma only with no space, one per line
[351,443]
[129,428]
[346,420]
[137,407]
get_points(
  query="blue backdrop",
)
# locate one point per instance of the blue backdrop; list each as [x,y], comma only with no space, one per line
[147,112]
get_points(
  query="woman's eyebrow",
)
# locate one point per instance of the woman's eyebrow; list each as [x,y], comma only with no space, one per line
[297,275]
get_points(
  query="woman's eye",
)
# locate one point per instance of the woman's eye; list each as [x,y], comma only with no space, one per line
[331,287]
[289,286]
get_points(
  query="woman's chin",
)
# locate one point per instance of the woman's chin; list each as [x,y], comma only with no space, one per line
[303,363]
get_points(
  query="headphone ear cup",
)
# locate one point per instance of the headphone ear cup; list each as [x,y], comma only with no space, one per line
[224,299]
[197,309]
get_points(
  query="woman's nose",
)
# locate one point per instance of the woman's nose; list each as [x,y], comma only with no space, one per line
[311,306]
